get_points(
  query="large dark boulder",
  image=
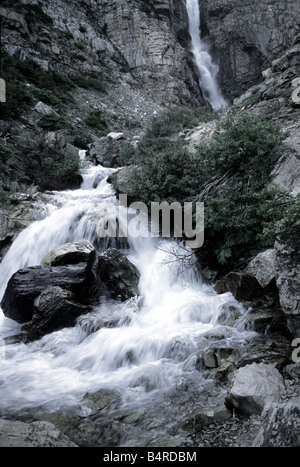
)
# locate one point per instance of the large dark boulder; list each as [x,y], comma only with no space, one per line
[119,274]
[27,284]
[244,287]
[54,309]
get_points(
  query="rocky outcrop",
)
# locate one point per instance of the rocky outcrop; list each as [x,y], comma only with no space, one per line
[288,280]
[280,425]
[15,434]
[245,35]
[145,44]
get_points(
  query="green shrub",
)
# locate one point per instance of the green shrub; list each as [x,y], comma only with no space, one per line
[88,82]
[242,153]
[164,171]
[96,120]
[52,122]
[230,172]
[178,118]
[49,166]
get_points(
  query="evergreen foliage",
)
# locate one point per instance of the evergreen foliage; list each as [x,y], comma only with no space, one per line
[230,172]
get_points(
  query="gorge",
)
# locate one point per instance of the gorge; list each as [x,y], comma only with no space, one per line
[161,346]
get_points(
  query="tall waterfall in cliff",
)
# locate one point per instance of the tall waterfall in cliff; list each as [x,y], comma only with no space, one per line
[207,70]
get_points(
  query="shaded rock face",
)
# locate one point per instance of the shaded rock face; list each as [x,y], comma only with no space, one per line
[143,43]
[119,274]
[27,284]
[244,34]
[288,280]
[280,425]
[54,309]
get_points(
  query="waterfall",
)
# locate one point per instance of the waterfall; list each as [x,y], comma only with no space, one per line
[153,346]
[207,70]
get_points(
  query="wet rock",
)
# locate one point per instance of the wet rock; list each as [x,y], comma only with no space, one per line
[280,425]
[54,309]
[252,387]
[71,253]
[267,321]
[244,287]
[274,350]
[119,274]
[28,283]
[101,399]
[35,434]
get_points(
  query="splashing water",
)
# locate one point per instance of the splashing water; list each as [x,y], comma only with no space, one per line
[207,70]
[154,341]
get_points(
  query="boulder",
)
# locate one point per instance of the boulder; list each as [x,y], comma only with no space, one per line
[71,253]
[252,387]
[119,274]
[54,309]
[35,434]
[244,287]
[280,425]
[288,280]
[262,267]
[28,283]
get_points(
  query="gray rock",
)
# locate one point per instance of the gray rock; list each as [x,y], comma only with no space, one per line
[252,387]
[119,274]
[262,267]
[280,425]
[71,253]
[288,280]
[43,109]
[35,434]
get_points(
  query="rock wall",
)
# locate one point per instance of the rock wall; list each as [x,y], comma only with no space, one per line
[244,35]
[143,44]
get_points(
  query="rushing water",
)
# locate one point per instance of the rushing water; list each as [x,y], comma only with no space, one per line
[207,70]
[151,350]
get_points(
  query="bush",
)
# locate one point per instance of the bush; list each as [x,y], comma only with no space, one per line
[96,120]
[242,153]
[230,172]
[49,166]
[164,171]
[177,119]
[52,122]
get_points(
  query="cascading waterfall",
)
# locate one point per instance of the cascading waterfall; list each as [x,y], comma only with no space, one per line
[207,70]
[151,350]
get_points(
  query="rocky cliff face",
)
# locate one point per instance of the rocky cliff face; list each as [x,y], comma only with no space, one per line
[127,45]
[244,35]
